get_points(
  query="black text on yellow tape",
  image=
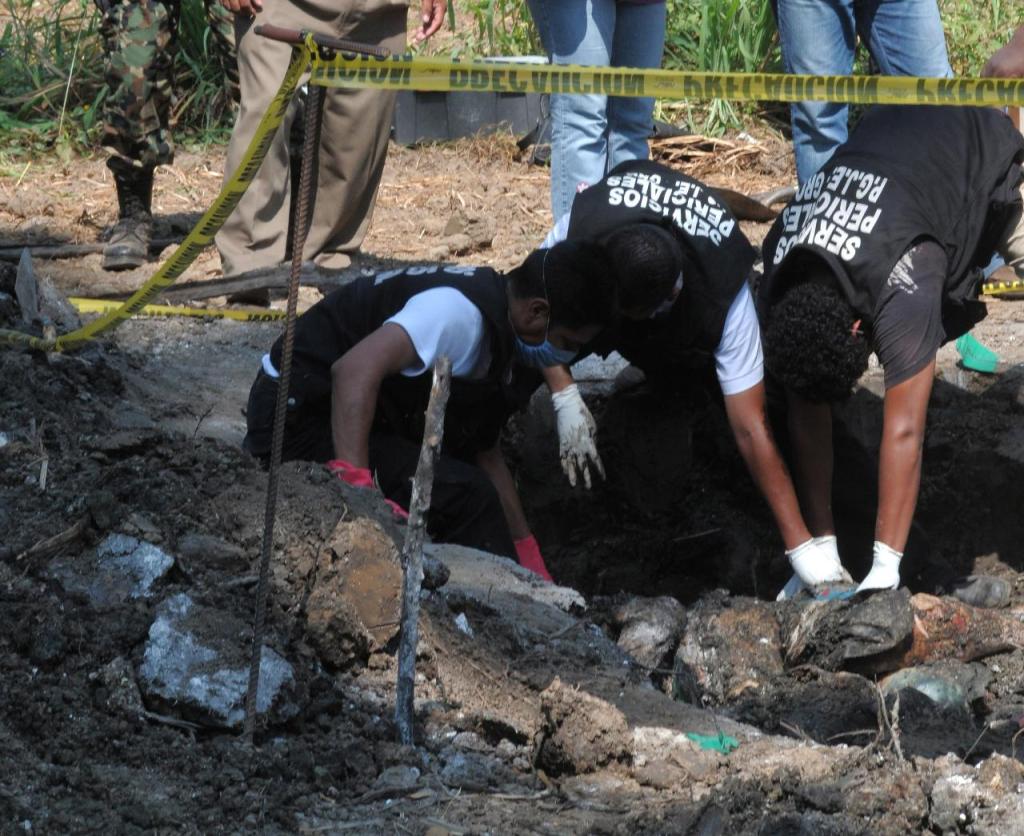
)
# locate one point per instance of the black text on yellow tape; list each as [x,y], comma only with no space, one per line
[995,288]
[404,72]
[83,305]
[202,233]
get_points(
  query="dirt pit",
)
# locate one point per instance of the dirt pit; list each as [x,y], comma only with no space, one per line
[670,693]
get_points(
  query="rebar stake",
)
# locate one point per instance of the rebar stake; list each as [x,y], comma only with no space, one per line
[303,216]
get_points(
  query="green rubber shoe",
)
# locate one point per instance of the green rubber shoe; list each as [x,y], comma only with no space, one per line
[975,356]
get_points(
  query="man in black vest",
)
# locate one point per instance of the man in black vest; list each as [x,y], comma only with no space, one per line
[686,305]
[881,251]
[361,376]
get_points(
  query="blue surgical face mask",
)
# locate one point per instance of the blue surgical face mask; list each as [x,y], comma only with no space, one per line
[543,355]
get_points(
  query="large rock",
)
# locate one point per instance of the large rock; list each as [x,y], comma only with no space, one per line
[119,568]
[982,799]
[205,550]
[196,664]
[857,634]
[584,732]
[889,631]
[355,604]
[650,628]
[728,650]
[945,628]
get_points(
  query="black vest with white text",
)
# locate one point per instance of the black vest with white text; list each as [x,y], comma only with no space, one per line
[906,174]
[717,256]
[477,409]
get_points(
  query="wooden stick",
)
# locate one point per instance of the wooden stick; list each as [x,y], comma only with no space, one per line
[52,546]
[12,252]
[412,550]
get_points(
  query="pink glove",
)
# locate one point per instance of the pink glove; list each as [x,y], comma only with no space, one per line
[529,556]
[360,477]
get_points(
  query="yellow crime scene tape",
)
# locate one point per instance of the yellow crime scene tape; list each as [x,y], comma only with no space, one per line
[83,305]
[202,233]
[404,72]
[995,288]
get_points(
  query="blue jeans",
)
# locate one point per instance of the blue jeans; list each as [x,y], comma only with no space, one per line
[818,37]
[591,134]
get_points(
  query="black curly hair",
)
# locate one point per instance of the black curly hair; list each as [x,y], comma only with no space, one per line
[809,343]
[648,260]
[578,280]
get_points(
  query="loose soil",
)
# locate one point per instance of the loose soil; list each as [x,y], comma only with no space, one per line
[538,721]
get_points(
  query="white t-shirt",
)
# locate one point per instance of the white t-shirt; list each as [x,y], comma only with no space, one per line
[443,321]
[739,362]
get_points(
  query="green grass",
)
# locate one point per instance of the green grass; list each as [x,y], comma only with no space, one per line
[720,36]
[51,76]
[51,81]
[976,29]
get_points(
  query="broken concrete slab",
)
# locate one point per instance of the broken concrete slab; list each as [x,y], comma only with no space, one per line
[650,628]
[727,650]
[196,665]
[487,578]
[121,567]
[355,601]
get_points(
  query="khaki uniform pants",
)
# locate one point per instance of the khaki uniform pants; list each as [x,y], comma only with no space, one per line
[353,146]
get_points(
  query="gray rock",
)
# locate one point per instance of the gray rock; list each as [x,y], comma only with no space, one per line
[650,628]
[474,772]
[397,779]
[122,691]
[435,573]
[121,567]
[196,663]
[835,634]
[207,550]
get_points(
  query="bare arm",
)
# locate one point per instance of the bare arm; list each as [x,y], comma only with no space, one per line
[355,382]
[899,475]
[557,377]
[1008,62]
[492,462]
[749,423]
[810,430]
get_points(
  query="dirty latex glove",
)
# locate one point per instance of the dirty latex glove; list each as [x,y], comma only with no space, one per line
[360,477]
[528,553]
[576,435]
[814,562]
[885,569]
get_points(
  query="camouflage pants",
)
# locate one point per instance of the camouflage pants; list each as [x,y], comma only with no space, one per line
[140,42]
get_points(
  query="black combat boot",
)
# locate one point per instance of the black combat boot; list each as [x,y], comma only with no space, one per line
[128,246]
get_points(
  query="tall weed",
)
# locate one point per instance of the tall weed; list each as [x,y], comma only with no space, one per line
[51,70]
[51,75]
[720,36]
[496,27]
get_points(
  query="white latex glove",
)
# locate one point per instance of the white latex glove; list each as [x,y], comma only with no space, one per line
[814,562]
[577,432]
[885,569]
